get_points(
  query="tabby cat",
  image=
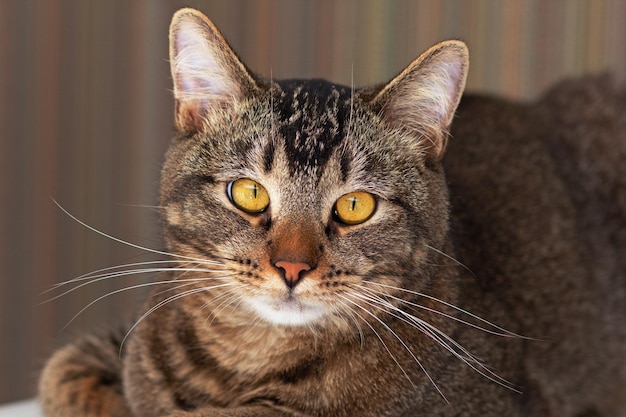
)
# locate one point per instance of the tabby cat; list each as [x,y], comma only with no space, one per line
[322,264]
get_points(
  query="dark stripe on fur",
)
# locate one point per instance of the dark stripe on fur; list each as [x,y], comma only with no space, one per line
[268,156]
[313,117]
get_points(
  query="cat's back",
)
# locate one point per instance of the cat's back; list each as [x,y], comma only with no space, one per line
[538,195]
[556,164]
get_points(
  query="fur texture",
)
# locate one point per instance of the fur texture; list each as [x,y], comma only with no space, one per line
[495,289]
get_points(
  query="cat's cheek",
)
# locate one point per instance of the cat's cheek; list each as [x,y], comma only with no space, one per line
[174,215]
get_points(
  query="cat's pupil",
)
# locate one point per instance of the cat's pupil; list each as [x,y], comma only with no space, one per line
[353,203]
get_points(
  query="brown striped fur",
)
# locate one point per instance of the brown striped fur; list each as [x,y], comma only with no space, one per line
[497,289]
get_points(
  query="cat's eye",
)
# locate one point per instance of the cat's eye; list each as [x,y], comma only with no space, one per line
[249,196]
[355,208]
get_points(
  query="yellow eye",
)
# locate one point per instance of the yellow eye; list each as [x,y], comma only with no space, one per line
[355,208]
[249,196]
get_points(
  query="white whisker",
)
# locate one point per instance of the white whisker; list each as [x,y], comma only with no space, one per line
[379,338]
[456,261]
[402,343]
[349,130]
[272,127]
[190,281]
[230,293]
[230,296]
[99,272]
[346,309]
[501,331]
[132,287]
[227,298]
[124,242]
[103,277]
[419,363]
[156,209]
[167,301]
[439,337]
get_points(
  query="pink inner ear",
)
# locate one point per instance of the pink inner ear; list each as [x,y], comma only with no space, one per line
[451,85]
[430,92]
[201,78]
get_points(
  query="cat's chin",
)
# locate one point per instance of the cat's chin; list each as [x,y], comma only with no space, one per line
[286,311]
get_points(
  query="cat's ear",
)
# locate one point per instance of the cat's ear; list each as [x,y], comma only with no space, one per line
[208,76]
[424,97]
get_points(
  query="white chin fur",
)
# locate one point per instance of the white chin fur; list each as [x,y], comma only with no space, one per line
[286,312]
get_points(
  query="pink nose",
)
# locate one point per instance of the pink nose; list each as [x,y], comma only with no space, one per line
[292,271]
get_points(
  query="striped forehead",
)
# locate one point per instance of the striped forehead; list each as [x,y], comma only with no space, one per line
[312,118]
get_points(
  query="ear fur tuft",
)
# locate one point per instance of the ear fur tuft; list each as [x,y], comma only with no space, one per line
[424,97]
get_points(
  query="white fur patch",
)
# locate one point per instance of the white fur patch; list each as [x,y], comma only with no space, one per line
[286,311]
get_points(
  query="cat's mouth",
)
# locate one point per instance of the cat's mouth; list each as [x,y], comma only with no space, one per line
[288,310]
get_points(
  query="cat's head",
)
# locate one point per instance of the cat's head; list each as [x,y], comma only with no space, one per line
[309,195]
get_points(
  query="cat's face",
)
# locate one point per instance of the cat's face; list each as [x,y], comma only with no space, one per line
[312,198]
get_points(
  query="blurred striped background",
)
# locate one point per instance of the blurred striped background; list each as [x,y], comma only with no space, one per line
[86,115]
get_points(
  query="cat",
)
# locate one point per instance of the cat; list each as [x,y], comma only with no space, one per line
[373,252]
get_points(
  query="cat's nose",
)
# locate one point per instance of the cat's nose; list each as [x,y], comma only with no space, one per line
[292,271]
